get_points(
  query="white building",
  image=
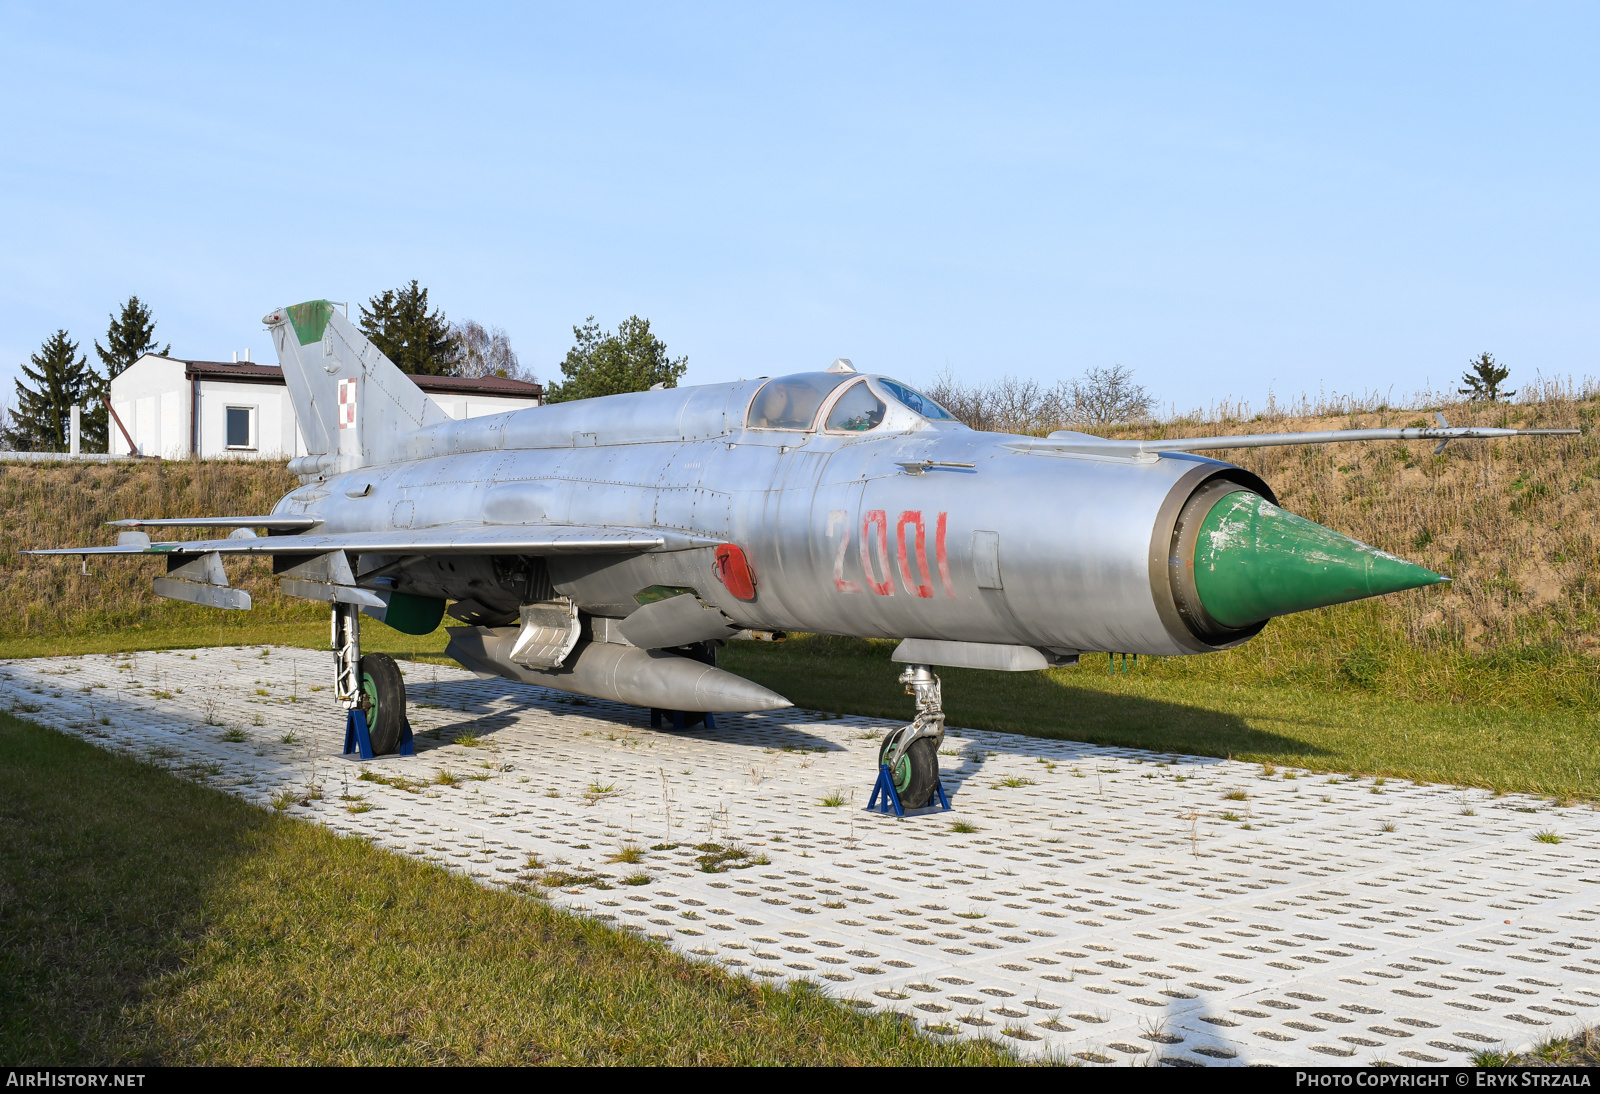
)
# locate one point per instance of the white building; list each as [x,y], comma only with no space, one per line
[177,409]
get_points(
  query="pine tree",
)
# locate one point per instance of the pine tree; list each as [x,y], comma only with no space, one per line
[602,363]
[62,379]
[1483,382]
[128,337]
[399,324]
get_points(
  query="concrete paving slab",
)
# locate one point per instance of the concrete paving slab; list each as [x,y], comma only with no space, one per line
[1104,904]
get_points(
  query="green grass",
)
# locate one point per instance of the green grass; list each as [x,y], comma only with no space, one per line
[1516,743]
[1580,1050]
[148,919]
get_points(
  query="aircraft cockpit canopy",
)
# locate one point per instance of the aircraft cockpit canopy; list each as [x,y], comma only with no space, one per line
[856,411]
[915,400]
[792,402]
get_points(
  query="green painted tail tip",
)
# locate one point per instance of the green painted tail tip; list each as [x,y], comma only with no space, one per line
[310,319]
[1253,561]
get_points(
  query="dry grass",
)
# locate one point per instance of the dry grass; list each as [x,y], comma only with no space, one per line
[62,505]
[1514,524]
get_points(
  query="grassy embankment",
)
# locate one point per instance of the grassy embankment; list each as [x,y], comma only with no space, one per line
[1489,680]
[147,919]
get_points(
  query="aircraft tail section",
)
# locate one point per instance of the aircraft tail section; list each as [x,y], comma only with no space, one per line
[354,406]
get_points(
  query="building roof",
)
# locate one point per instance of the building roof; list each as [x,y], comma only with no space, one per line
[480,385]
[242,372]
[239,372]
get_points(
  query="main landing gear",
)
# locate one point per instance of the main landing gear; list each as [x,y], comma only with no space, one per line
[371,689]
[680,720]
[908,759]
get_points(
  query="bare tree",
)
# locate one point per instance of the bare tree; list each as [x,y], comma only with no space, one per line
[966,403]
[1108,396]
[485,351]
[1100,397]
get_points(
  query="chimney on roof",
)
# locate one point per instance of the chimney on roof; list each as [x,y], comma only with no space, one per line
[247,357]
[236,357]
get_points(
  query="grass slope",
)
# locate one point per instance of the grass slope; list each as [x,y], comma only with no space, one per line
[146,919]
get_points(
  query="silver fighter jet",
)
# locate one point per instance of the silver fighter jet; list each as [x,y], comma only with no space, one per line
[608,546]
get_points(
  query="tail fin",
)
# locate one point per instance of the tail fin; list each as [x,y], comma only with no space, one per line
[351,400]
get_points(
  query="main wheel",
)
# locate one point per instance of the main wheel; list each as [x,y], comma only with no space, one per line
[384,692]
[663,719]
[916,773]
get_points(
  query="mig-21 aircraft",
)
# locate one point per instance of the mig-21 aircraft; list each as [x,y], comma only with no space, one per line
[607,546]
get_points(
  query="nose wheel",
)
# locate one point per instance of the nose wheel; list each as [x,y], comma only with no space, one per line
[908,758]
[916,772]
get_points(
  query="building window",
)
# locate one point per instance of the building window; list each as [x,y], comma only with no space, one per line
[239,427]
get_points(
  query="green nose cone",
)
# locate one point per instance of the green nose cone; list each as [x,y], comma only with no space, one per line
[1253,561]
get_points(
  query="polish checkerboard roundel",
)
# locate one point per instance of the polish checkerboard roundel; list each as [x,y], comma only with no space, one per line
[347,404]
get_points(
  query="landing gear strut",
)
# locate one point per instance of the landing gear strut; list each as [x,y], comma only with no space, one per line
[911,753]
[371,689]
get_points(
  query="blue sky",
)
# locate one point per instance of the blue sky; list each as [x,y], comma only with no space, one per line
[1224,198]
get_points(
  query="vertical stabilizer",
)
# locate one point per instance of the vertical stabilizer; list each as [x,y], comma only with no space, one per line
[351,400]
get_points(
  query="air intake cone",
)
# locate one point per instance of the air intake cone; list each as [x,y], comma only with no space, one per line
[1253,560]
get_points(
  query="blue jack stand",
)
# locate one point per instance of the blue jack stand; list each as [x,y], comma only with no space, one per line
[884,797]
[679,722]
[358,739]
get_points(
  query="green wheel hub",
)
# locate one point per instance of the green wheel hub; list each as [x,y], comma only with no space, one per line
[901,773]
[370,690]
[916,774]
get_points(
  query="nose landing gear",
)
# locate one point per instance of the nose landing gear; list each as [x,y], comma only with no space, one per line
[372,691]
[908,759]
